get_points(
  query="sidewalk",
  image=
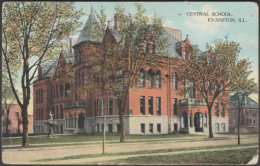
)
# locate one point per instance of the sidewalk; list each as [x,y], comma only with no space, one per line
[26,155]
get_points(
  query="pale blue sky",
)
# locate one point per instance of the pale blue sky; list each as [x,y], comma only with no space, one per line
[198,28]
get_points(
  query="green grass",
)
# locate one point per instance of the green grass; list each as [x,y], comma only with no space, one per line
[238,156]
[142,152]
[88,138]
[251,133]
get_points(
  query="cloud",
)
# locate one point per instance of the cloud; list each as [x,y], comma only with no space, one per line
[201,24]
[169,24]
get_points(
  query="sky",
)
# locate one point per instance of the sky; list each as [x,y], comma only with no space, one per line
[198,28]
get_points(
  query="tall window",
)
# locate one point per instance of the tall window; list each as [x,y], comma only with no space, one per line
[158,79]
[82,79]
[217,127]
[61,111]
[70,121]
[217,109]
[61,90]
[143,128]
[216,86]
[119,77]
[141,75]
[110,106]
[222,110]
[158,105]
[150,78]
[175,81]
[222,89]
[79,57]
[151,128]
[102,107]
[142,105]
[57,91]
[67,90]
[223,127]
[175,106]
[159,127]
[150,101]
[78,78]
[97,107]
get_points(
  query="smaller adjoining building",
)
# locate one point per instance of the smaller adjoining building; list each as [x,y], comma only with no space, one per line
[249,114]
[15,125]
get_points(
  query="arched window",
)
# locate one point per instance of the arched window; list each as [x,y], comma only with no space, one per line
[150,78]
[175,81]
[158,79]
[141,75]
[61,90]
[67,90]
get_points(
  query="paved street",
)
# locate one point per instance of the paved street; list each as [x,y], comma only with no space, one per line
[25,156]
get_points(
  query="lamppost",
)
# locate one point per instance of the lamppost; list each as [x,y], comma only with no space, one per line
[104,128]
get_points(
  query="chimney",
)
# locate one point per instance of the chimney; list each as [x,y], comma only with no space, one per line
[116,24]
[70,45]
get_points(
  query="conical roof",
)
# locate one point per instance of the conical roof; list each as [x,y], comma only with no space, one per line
[86,33]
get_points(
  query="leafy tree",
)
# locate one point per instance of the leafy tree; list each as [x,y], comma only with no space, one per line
[212,75]
[31,33]
[114,66]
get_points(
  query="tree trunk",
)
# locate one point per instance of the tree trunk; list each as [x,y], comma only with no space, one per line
[210,123]
[7,120]
[25,141]
[122,124]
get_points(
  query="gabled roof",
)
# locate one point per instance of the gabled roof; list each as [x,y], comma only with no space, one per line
[249,102]
[86,33]
[173,42]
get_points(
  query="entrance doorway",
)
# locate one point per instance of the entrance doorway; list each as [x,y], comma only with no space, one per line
[175,127]
[198,122]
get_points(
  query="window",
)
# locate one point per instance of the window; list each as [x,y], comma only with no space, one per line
[110,128]
[119,77]
[57,114]
[102,107]
[102,128]
[158,105]
[118,128]
[217,127]
[110,106]
[159,127]
[151,128]
[97,107]
[222,89]
[216,86]
[82,79]
[78,77]
[175,81]
[61,90]
[234,121]
[117,107]
[57,91]
[206,118]
[67,90]
[141,75]
[150,78]
[223,127]
[79,57]
[158,79]
[98,128]
[61,111]
[222,110]
[143,128]
[217,109]
[70,121]
[175,106]
[142,105]
[150,101]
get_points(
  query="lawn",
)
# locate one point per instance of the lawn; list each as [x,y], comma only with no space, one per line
[238,156]
[143,152]
[85,138]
